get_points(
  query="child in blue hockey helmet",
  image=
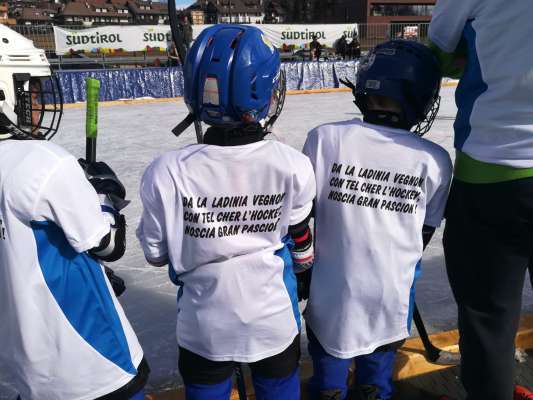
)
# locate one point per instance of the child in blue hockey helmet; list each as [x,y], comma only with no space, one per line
[230,216]
[381,191]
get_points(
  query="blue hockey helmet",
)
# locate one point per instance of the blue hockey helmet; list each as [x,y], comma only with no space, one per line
[406,72]
[233,78]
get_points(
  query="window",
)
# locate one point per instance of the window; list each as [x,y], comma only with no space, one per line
[379,10]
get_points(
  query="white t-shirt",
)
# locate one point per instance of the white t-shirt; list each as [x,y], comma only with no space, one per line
[219,214]
[376,188]
[495,120]
[63,332]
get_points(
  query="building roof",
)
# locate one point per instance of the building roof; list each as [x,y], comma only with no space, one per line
[46,5]
[237,6]
[114,4]
[88,9]
[155,8]
[36,14]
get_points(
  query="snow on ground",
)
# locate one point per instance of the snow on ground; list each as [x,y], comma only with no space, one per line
[131,136]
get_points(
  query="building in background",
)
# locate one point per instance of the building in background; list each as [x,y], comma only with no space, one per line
[399,11]
[148,12]
[372,11]
[197,15]
[94,12]
[28,12]
[4,14]
[87,12]
[226,11]
[339,11]
[240,11]
[391,19]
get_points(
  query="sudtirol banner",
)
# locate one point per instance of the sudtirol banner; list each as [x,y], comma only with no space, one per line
[299,35]
[140,37]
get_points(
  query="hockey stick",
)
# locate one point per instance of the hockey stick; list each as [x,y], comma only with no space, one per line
[181,48]
[92,89]
[241,385]
[433,353]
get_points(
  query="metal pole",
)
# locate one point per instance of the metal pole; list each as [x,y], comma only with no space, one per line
[230,11]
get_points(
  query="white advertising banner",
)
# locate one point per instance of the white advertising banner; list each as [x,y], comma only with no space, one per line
[299,35]
[127,38]
[139,37]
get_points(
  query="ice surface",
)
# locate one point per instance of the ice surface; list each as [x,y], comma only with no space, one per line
[131,136]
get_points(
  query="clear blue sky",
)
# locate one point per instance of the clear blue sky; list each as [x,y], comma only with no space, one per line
[184,3]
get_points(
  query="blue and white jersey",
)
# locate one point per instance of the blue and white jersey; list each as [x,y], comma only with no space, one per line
[495,119]
[220,215]
[376,188]
[63,332]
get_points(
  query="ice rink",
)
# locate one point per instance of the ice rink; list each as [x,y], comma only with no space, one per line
[131,136]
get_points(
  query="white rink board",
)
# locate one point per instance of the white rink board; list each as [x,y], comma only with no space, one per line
[130,136]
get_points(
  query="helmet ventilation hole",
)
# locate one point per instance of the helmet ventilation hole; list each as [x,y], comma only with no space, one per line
[254,87]
[234,42]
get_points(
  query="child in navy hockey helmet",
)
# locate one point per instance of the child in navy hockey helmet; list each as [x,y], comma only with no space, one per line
[230,217]
[381,191]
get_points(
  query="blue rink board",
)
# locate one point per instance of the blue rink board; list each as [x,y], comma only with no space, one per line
[168,81]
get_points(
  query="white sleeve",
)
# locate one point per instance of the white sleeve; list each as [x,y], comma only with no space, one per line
[304,192]
[151,231]
[310,145]
[448,22]
[437,192]
[67,199]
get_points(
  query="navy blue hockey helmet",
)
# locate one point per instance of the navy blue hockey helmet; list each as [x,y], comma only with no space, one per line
[406,72]
[233,78]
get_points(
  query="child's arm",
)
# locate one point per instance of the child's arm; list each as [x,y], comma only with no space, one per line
[452,64]
[302,256]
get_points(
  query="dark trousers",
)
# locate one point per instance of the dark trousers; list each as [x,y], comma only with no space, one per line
[274,378]
[488,242]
